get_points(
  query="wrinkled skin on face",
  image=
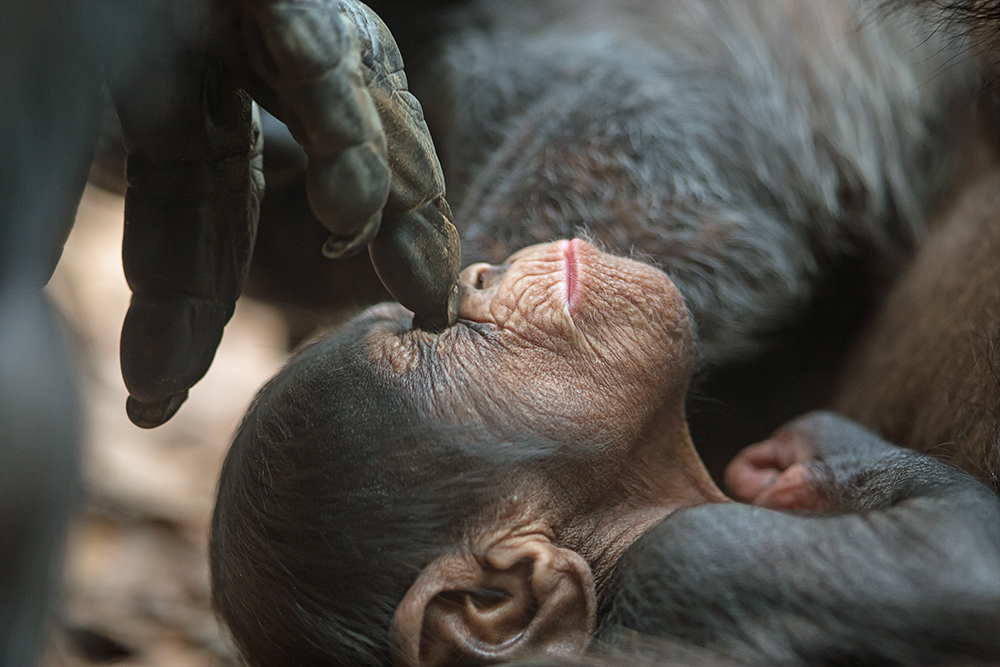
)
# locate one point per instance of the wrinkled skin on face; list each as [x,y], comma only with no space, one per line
[561,339]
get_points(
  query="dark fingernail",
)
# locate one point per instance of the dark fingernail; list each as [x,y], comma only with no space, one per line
[151,415]
[341,248]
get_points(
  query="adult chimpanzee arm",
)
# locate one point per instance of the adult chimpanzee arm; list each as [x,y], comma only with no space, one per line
[908,574]
[49,108]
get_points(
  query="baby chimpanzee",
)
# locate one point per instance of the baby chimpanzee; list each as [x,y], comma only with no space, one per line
[516,484]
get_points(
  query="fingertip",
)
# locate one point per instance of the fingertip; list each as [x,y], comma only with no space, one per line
[765,454]
[745,481]
[151,415]
[416,256]
[341,248]
[436,322]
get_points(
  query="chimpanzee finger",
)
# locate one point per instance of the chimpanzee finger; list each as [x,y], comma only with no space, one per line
[416,255]
[339,82]
[417,252]
[308,53]
[194,189]
[753,469]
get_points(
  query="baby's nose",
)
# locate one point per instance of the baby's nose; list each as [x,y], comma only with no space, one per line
[483,276]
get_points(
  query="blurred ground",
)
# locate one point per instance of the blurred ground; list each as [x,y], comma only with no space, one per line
[136,579]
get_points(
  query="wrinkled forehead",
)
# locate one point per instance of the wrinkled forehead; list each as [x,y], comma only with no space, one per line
[378,360]
[335,381]
[399,408]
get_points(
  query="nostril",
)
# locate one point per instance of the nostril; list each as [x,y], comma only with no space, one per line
[489,275]
[483,276]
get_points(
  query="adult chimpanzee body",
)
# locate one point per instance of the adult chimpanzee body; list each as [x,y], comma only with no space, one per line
[926,373]
[777,159]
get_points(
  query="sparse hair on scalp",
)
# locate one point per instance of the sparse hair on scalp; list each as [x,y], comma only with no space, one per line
[336,492]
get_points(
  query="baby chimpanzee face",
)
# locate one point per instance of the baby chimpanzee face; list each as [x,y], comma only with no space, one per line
[590,350]
[562,339]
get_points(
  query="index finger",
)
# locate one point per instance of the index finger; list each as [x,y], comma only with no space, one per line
[417,253]
[338,78]
[309,55]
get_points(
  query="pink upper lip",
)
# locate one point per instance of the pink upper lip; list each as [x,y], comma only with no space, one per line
[570,256]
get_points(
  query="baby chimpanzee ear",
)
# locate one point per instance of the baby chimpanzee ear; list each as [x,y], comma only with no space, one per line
[778,474]
[523,596]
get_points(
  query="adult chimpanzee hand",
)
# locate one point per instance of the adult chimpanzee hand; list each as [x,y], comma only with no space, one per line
[330,70]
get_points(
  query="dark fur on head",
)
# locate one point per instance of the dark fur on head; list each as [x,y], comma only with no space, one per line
[338,489]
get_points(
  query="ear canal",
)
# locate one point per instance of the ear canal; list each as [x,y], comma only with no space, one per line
[479,625]
[541,605]
[499,613]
